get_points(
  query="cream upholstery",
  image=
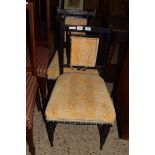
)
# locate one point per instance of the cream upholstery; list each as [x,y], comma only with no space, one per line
[53,69]
[79,97]
[85,54]
[70,20]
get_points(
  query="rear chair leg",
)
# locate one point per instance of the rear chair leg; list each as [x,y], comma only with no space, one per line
[50,86]
[50,126]
[103,131]
[42,86]
[37,99]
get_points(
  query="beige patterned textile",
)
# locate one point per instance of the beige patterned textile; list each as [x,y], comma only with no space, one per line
[53,69]
[79,97]
[70,20]
[84,51]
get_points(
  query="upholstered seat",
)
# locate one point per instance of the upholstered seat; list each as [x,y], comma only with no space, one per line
[31,88]
[79,97]
[42,57]
[53,69]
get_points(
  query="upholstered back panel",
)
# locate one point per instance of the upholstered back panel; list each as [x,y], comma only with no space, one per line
[83,51]
[70,20]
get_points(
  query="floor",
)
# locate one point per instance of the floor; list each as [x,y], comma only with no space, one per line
[76,140]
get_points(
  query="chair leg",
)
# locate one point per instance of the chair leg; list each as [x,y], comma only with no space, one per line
[50,126]
[50,86]
[103,131]
[29,139]
[42,86]
[37,99]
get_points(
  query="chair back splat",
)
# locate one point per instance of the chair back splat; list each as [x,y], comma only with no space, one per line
[87,50]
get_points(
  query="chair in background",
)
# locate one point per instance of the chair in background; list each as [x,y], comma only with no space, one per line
[32,97]
[80,97]
[118,47]
[42,55]
[32,90]
[69,17]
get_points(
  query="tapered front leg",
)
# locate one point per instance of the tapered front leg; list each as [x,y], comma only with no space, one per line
[103,131]
[50,126]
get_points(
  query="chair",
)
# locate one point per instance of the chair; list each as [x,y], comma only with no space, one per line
[41,53]
[82,98]
[32,93]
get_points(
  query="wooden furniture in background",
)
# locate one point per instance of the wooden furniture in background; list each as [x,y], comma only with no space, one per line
[32,98]
[42,56]
[73,4]
[118,47]
[32,90]
[43,33]
[91,4]
[119,8]
[121,99]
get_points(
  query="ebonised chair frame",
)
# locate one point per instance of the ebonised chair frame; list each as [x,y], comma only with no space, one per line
[76,13]
[102,33]
[62,14]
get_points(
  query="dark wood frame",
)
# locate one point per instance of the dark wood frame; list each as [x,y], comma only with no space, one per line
[49,33]
[76,12]
[29,139]
[62,14]
[32,70]
[29,131]
[89,15]
[102,33]
[119,38]
[120,96]
[39,21]
[103,46]
[41,80]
